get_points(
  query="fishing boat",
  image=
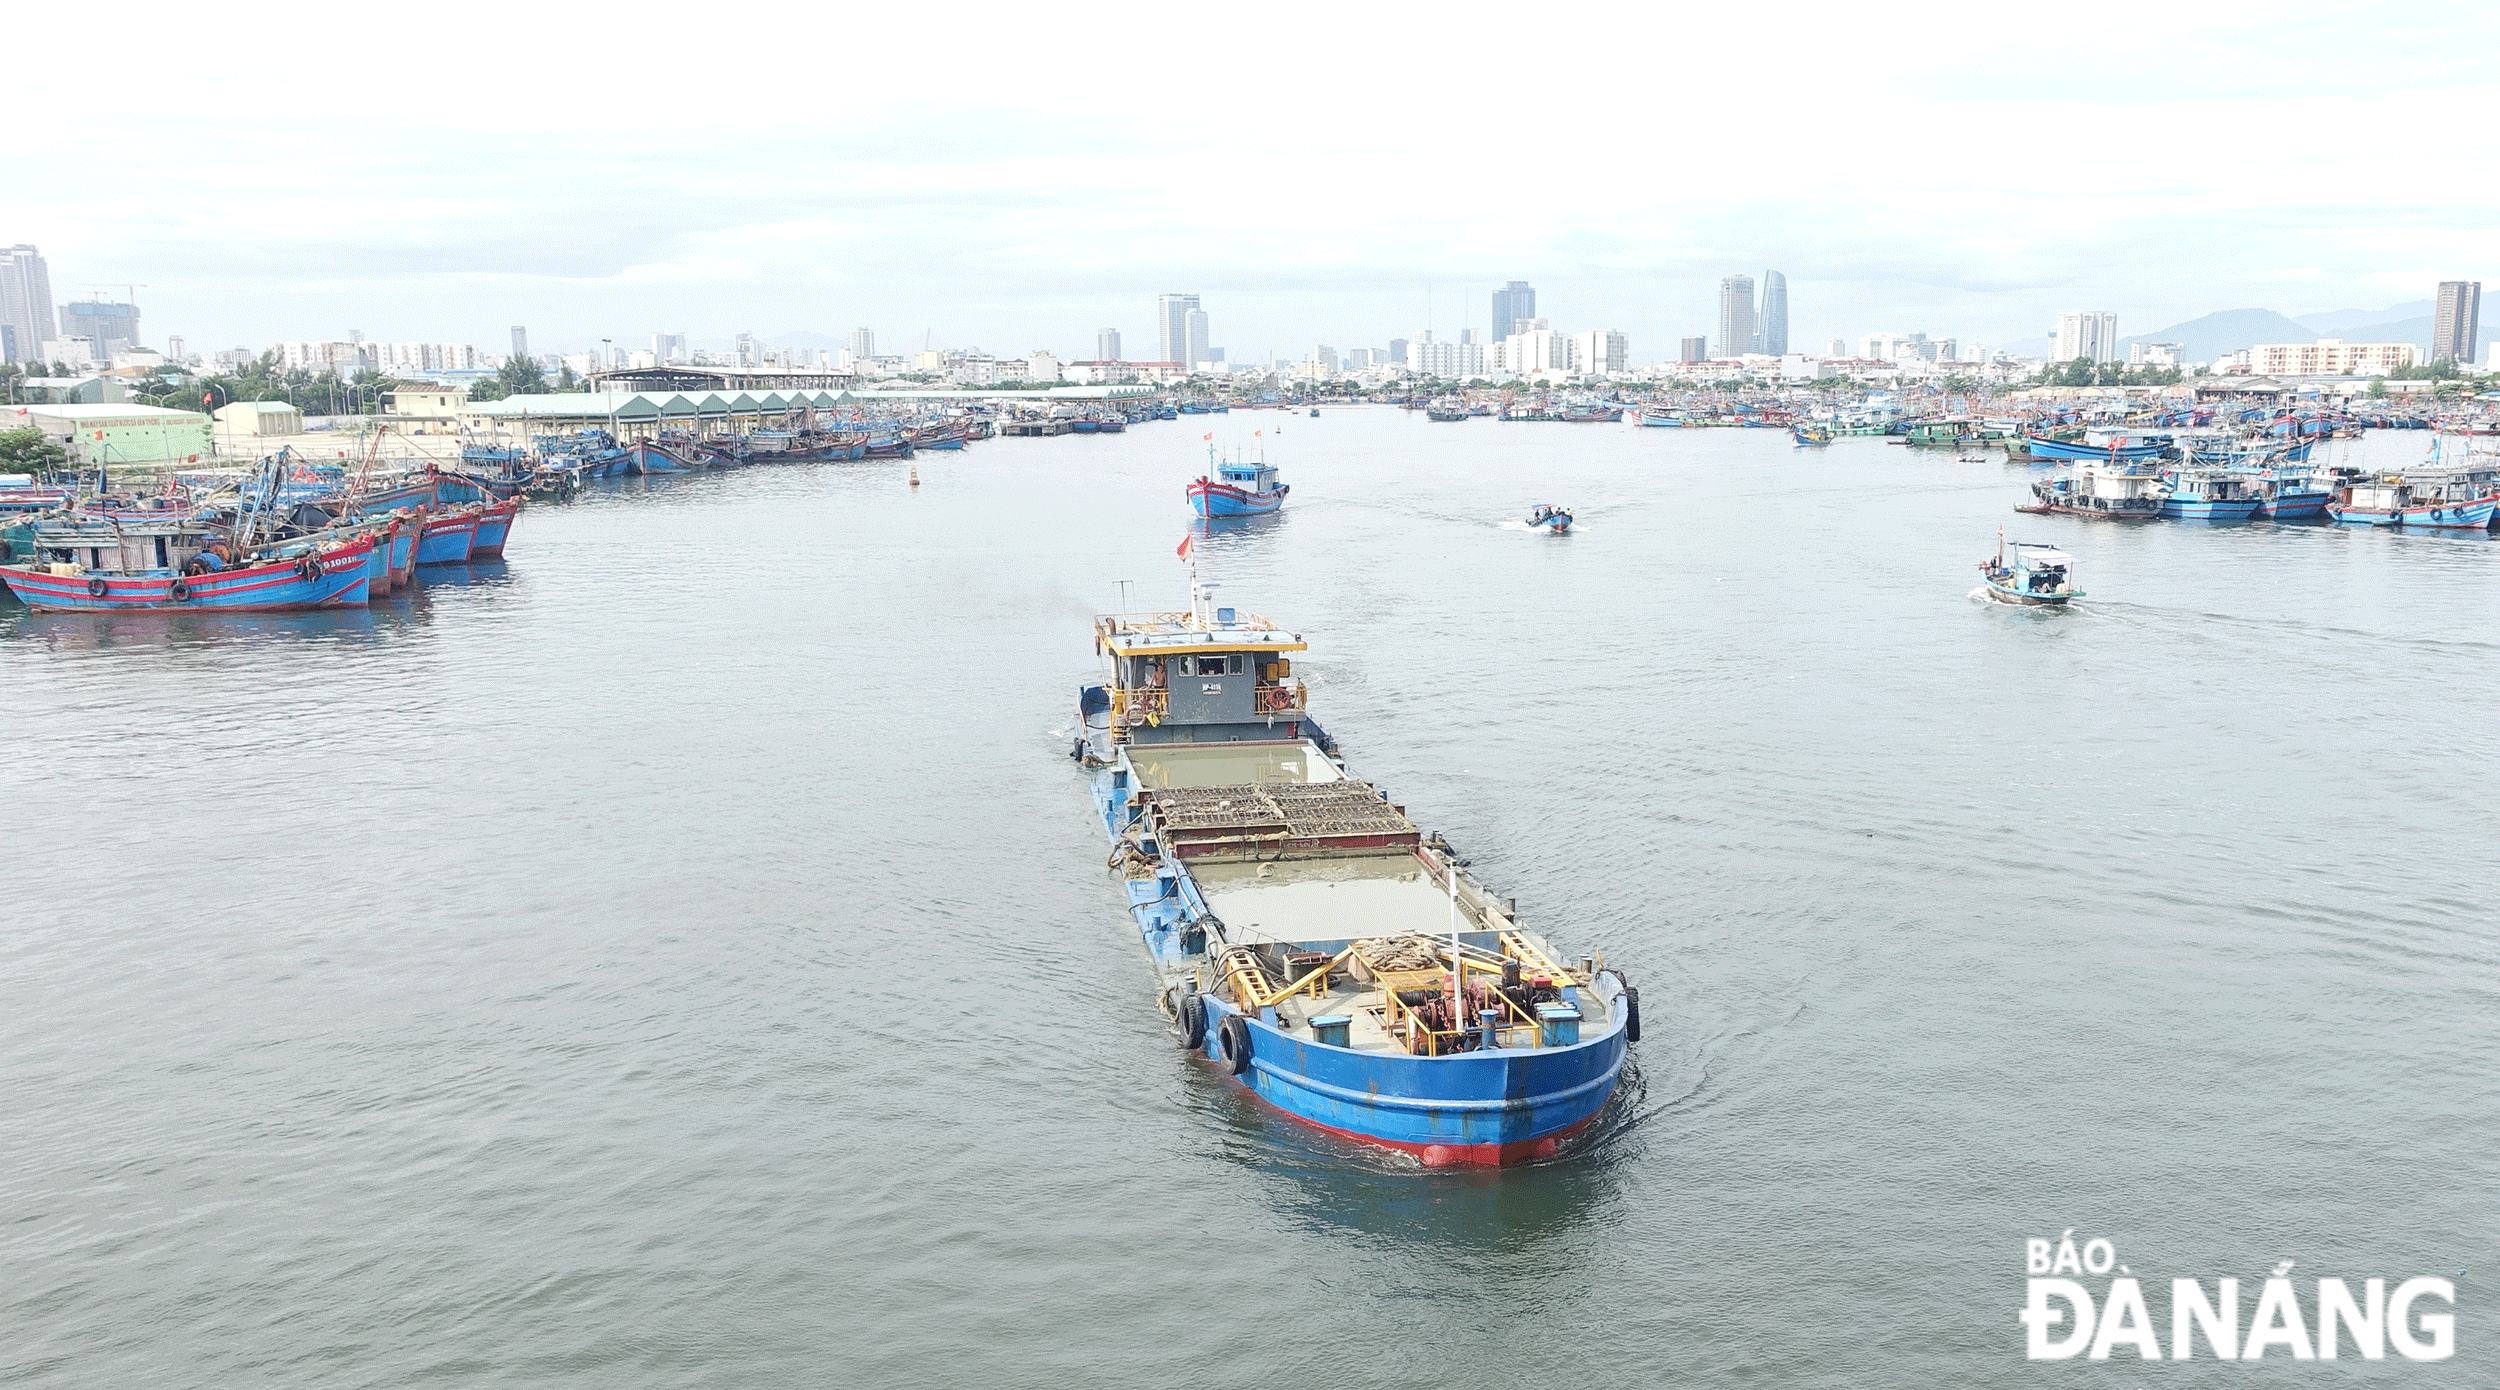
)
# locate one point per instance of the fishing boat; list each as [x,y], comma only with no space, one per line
[2289,492]
[2404,505]
[2033,575]
[2111,448]
[2208,494]
[1810,434]
[1237,488]
[112,570]
[1447,411]
[1551,516]
[446,537]
[650,457]
[494,527]
[1306,939]
[2101,493]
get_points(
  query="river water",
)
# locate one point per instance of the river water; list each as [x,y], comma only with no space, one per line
[681,956]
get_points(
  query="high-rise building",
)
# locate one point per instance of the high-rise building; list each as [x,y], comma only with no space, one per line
[667,347]
[520,343]
[2092,335]
[1107,345]
[1693,350]
[1172,313]
[111,327]
[26,299]
[1194,336]
[1324,357]
[1600,352]
[747,355]
[2456,328]
[1397,352]
[1511,303]
[863,344]
[1736,322]
[1839,348]
[1774,324]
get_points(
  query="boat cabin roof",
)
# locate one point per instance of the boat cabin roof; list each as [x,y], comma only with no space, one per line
[2042,555]
[1223,630]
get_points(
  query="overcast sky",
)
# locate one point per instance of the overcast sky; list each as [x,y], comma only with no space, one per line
[1016,177]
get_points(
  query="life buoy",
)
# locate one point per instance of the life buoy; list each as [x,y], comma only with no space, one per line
[178,591]
[97,586]
[1232,1039]
[1193,1021]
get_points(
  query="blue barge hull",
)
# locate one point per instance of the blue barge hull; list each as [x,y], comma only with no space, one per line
[1305,937]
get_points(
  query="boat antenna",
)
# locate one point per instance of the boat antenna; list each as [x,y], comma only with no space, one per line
[1124,583]
[1458,996]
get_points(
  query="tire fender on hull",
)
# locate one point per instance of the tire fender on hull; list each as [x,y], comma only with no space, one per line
[1232,1041]
[1193,1021]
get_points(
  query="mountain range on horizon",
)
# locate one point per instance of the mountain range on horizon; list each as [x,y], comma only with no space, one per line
[2229,330]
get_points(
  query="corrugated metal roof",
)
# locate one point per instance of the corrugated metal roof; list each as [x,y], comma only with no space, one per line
[93,413]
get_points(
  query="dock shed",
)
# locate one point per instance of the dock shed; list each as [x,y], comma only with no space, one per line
[115,436]
[256,418]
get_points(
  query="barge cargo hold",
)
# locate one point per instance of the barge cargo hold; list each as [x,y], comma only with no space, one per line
[1306,938]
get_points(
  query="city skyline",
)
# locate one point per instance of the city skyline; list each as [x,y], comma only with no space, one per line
[1017,218]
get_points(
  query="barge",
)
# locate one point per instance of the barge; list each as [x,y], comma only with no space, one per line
[1305,938]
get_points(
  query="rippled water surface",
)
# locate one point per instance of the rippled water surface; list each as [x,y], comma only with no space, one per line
[680,955]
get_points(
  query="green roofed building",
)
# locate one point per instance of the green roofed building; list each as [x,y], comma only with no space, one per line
[117,436]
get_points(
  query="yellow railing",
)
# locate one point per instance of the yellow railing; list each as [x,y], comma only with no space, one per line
[1134,704]
[1283,698]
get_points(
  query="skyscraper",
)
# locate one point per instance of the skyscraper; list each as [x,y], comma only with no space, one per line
[1737,334]
[521,353]
[2091,335]
[1172,313]
[1774,327]
[26,299]
[1194,336]
[1107,345]
[1511,303]
[1693,350]
[863,344]
[2454,333]
[111,327]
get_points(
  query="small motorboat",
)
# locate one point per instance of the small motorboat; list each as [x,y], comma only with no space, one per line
[1552,516]
[2034,575]
[1810,434]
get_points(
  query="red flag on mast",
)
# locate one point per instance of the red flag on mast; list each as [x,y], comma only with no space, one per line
[1182,550]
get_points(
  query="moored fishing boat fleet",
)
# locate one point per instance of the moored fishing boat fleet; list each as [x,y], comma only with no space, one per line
[293,533]
[288,534]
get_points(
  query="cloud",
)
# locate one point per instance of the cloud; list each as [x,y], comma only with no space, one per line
[1323,173]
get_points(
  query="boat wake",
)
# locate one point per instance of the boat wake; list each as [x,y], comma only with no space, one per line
[1576,527]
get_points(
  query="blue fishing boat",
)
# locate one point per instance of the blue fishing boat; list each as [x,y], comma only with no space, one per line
[1307,941]
[2033,576]
[2113,449]
[1810,434]
[1550,516]
[1237,489]
[647,457]
[2208,494]
[2437,505]
[108,576]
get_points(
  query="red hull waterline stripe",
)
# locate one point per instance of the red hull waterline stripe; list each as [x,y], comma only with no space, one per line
[1448,1155]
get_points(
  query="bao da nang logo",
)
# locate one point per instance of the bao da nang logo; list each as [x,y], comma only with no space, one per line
[2068,1317]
